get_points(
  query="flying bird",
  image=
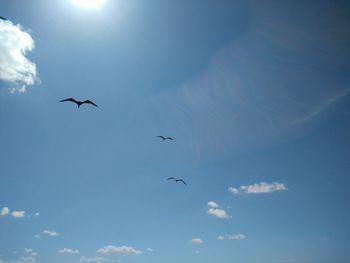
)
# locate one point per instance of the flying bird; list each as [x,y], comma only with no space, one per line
[79,103]
[3,18]
[165,138]
[177,180]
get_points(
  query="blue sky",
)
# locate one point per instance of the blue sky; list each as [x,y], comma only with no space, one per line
[255,94]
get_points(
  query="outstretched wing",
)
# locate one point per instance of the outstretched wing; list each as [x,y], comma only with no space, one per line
[89,102]
[180,180]
[171,178]
[169,138]
[3,18]
[70,99]
[160,136]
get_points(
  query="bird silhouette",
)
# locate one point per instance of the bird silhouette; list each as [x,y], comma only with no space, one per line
[79,103]
[177,180]
[165,138]
[3,18]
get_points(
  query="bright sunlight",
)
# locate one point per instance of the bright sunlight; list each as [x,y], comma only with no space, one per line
[89,4]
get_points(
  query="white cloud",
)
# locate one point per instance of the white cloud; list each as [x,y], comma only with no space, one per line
[50,233]
[236,237]
[14,66]
[213,204]
[27,260]
[258,188]
[214,210]
[20,260]
[92,260]
[196,240]
[18,214]
[232,237]
[118,250]
[150,249]
[68,251]
[4,211]
[233,190]
[31,252]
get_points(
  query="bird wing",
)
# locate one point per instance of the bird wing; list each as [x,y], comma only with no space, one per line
[69,99]
[180,180]
[169,138]
[171,178]
[3,18]
[160,136]
[89,102]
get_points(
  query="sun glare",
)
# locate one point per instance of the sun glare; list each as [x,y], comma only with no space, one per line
[89,4]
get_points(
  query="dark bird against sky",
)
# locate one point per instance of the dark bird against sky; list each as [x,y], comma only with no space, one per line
[79,103]
[177,180]
[165,138]
[3,18]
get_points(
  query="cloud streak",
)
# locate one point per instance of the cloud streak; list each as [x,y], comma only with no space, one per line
[258,188]
[232,237]
[18,214]
[68,251]
[50,233]
[92,260]
[265,86]
[110,249]
[196,240]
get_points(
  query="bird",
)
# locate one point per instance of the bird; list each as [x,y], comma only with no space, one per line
[79,103]
[177,180]
[165,138]
[3,18]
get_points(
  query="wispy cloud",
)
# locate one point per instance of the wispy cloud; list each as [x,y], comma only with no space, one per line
[14,66]
[150,249]
[196,240]
[92,260]
[323,239]
[258,188]
[232,237]
[118,250]
[68,251]
[214,210]
[28,259]
[254,100]
[50,233]
[34,215]
[31,252]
